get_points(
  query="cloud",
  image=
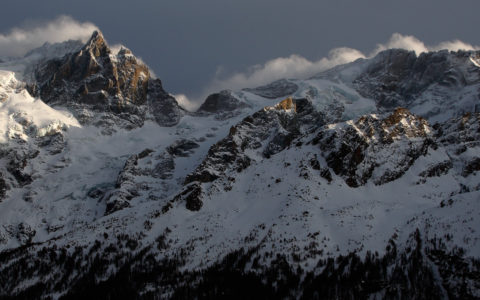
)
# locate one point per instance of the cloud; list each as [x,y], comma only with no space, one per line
[296,66]
[186,103]
[20,40]
[398,41]
[409,42]
[454,45]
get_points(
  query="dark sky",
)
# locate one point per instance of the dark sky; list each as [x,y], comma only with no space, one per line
[186,41]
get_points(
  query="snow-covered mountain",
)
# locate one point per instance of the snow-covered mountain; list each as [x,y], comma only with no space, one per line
[360,182]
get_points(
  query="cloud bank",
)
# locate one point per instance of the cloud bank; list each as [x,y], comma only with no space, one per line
[411,43]
[296,66]
[20,40]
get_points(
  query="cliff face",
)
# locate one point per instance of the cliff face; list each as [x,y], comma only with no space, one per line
[382,149]
[94,79]
[423,83]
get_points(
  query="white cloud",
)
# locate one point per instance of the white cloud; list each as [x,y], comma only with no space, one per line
[296,66]
[184,102]
[399,41]
[454,45]
[19,41]
[411,43]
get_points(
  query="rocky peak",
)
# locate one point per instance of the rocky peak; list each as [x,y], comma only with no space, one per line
[105,88]
[286,105]
[403,122]
[97,45]
[258,136]
[369,147]
[397,62]
[223,102]
[399,77]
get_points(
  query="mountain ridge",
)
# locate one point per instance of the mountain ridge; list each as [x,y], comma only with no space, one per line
[323,186]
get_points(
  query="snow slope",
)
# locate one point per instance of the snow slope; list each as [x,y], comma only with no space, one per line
[303,170]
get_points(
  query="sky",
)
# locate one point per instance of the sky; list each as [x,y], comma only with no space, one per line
[198,47]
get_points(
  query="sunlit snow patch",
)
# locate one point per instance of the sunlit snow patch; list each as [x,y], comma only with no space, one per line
[19,112]
[336,98]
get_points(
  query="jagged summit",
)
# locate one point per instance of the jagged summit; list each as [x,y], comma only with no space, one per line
[97,45]
[116,87]
[401,77]
[222,102]
[97,41]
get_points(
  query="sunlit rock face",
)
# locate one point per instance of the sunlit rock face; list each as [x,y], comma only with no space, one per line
[118,85]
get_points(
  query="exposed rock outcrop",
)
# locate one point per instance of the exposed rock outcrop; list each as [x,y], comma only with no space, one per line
[266,132]
[105,88]
[276,89]
[424,84]
[220,102]
[375,148]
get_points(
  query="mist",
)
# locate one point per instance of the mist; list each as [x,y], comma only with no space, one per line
[19,40]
